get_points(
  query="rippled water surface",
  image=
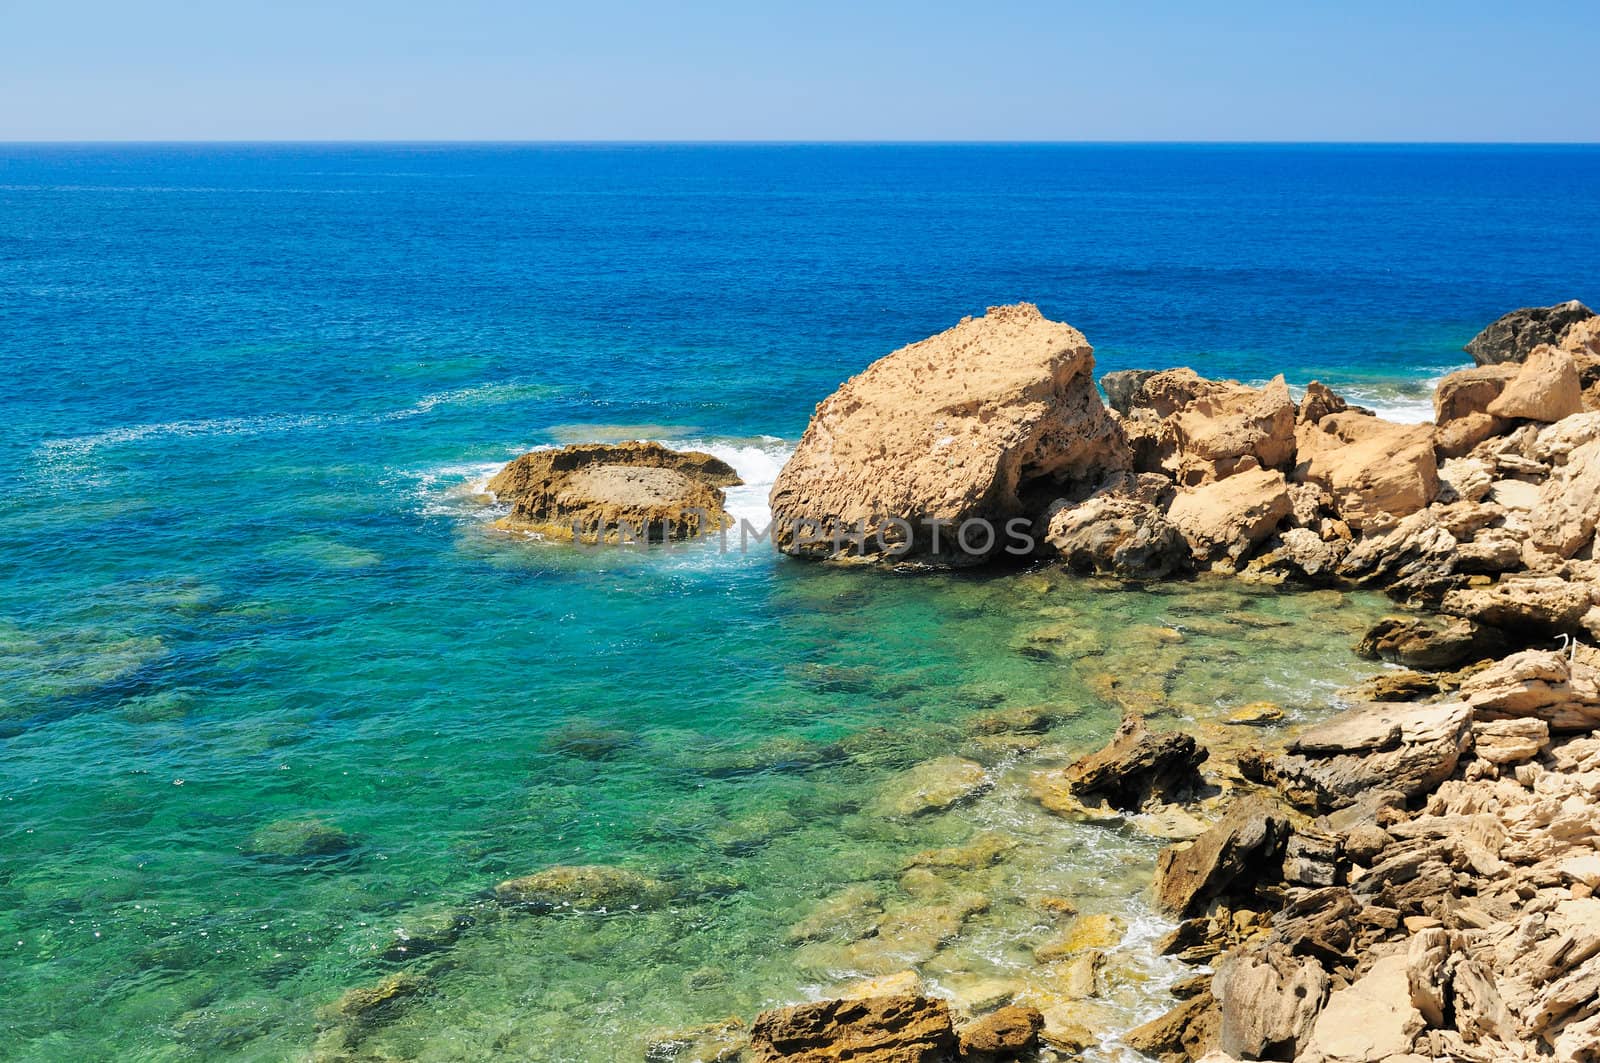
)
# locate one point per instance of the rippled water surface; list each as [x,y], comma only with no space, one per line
[271,690]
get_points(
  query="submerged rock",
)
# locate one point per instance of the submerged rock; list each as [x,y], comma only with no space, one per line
[300,838]
[886,1029]
[584,887]
[590,490]
[932,787]
[987,421]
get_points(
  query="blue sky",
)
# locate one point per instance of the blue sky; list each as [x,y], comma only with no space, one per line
[609,69]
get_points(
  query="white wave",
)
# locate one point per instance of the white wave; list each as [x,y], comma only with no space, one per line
[78,448]
[757,461]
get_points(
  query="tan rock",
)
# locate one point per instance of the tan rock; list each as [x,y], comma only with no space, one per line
[1547,388]
[583,887]
[898,984]
[1269,1000]
[591,490]
[1371,1019]
[1008,1033]
[1117,536]
[1229,519]
[1402,747]
[1470,391]
[1390,470]
[1564,518]
[1537,683]
[957,427]
[1249,836]
[1509,741]
[887,1029]
[1226,427]
[1137,766]
[1540,603]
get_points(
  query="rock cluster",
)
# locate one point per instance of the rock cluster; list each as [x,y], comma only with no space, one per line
[599,492]
[1488,515]
[1439,905]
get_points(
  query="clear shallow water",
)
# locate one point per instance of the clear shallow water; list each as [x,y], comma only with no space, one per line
[248,389]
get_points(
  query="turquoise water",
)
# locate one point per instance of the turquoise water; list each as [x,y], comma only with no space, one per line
[250,593]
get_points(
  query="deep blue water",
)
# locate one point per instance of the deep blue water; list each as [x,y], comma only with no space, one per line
[247,390]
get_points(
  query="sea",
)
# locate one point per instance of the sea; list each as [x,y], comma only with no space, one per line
[279,707]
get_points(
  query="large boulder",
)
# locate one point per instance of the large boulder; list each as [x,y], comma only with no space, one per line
[1547,388]
[1228,519]
[589,491]
[1512,336]
[1375,470]
[986,422]
[1406,748]
[1138,766]
[883,1029]
[1246,841]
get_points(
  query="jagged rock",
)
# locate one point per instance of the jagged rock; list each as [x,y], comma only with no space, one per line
[1122,388]
[1007,1033]
[1383,471]
[1229,518]
[1319,401]
[1415,558]
[1122,537]
[1185,1033]
[1249,838]
[889,1029]
[1509,741]
[1300,553]
[988,421]
[1465,480]
[1269,1000]
[1212,429]
[1429,644]
[1403,747]
[1547,388]
[1138,766]
[1539,684]
[582,887]
[1511,337]
[932,786]
[1564,518]
[591,489]
[1526,604]
[1371,1019]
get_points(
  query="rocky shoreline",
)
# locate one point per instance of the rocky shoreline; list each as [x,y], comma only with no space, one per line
[1411,879]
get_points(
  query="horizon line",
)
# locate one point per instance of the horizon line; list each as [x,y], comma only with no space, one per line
[786,142]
